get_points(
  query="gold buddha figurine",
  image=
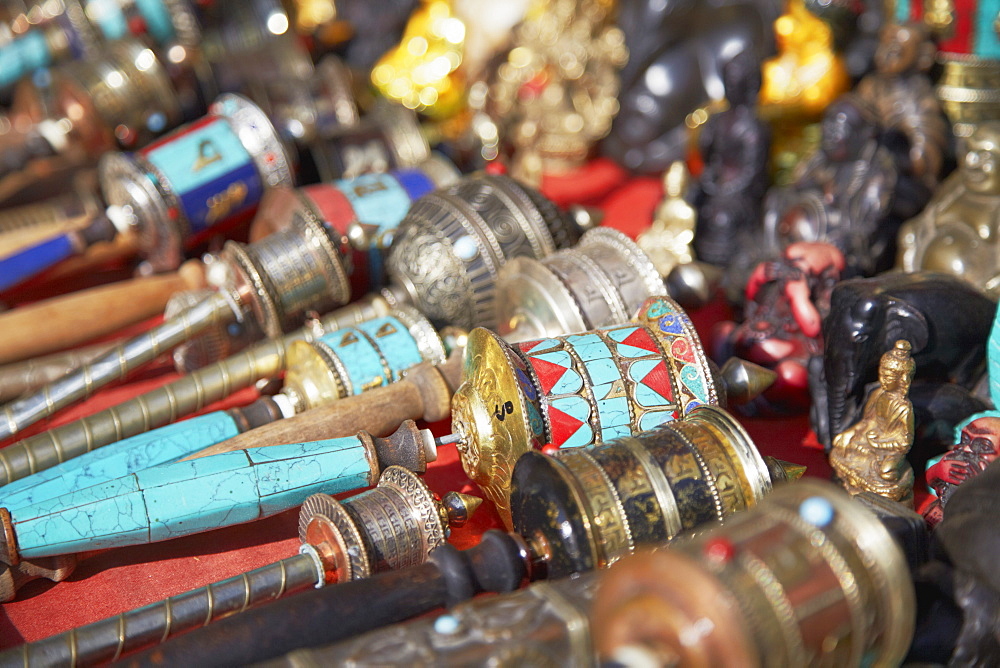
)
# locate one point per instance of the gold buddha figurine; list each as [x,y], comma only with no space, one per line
[807,74]
[871,455]
[957,231]
[667,242]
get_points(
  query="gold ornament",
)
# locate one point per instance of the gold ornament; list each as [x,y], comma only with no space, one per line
[871,455]
[422,73]
[668,240]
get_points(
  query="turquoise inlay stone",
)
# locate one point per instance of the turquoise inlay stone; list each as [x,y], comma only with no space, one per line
[157,18]
[109,17]
[377,199]
[902,11]
[541,345]
[81,497]
[658,308]
[167,474]
[23,56]
[654,419]
[284,487]
[209,501]
[570,381]
[571,424]
[360,359]
[645,395]
[693,380]
[602,371]
[613,411]
[111,522]
[588,346]
[119,459]
[395,342]
[987,41]
[187,497]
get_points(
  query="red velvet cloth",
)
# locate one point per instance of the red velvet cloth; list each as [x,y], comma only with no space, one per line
[117,580]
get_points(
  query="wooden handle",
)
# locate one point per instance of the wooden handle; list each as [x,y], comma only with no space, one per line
[425,393]
[63,322]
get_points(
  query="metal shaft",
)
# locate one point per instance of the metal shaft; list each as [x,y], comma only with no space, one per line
[21,377]
[108,639]
[160,406]
[216,310]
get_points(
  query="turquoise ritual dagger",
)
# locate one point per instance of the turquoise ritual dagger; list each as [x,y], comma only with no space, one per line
[187,497]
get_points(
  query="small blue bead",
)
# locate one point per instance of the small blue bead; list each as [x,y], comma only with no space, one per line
[446,625]
[156,122]
[817,511]
[42,78]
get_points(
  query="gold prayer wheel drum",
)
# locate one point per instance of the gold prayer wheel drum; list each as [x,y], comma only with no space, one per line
[576,390]
[809,578]
[637,490]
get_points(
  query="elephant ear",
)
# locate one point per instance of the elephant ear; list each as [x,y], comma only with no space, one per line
[902,321]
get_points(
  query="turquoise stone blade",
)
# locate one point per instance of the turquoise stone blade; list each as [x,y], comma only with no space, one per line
[182,498]
[159,446]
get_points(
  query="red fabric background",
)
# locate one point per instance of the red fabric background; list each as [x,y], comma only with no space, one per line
[117,580]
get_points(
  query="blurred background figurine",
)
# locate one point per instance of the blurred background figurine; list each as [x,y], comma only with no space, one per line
[781,330]
[871,455]
[734,146]
[667,241]
[843,193]
[957,232]
[911,121]
[677,49]
[978,446]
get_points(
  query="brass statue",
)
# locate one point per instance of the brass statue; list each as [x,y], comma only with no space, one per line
[667,242]
[957,232]
[871,455]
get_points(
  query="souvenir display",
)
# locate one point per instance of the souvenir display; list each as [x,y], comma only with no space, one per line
[555,534]
[375,353]
[447,247]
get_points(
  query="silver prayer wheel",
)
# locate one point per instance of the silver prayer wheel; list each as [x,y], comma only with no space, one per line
[394,525]
[388,137]
[809,578]
[200,176]
[600,281]
[287,274]
[127,91]
[449,249]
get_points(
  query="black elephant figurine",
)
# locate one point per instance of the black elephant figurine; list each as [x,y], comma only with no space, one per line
[946,320]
